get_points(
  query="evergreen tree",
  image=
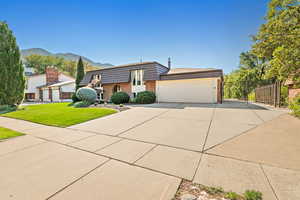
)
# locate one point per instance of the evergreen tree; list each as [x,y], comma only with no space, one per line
[80,72]
[12,80]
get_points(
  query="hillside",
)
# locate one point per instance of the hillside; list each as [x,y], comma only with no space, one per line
[67,56]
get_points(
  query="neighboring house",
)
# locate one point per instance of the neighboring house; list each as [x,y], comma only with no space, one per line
[193,85]
[293,90]
[52,86]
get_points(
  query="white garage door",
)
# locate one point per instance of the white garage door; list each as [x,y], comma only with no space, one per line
[188,90]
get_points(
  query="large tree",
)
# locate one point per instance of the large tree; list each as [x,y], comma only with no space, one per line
[278,40]
[12,80]
[80,72]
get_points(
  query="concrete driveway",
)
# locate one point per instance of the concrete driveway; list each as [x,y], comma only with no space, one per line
[143,153]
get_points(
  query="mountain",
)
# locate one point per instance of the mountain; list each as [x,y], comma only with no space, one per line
[67,56]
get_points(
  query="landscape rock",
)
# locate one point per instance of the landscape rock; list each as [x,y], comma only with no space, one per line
[188,197]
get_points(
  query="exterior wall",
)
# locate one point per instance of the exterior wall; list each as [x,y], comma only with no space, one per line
[46,94]
[293,92]
[108,89]
[33,82]
[150,86]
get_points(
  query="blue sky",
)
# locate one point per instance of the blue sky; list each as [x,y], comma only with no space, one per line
[197,33]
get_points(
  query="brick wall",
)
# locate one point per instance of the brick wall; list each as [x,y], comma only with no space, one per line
[108,89]
[293,92]
[150,86]
[51,75]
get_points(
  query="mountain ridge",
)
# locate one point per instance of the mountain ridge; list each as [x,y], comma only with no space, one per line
[67,56]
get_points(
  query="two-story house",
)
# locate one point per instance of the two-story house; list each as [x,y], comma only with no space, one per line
[195,85]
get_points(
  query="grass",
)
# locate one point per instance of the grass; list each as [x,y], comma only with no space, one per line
[7,133]
[58,114]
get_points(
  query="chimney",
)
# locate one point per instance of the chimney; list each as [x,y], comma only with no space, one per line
[169,63]
[51,75]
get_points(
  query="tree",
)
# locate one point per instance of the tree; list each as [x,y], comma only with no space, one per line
[80,72]
[12,78]
[278,41]
[40,63]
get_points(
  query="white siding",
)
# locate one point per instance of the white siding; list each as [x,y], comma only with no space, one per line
[202,90]
[46,94]
[55,94]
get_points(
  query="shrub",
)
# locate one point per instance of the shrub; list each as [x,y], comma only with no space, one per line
[120,97]
[294,105]
[86,94]
[7,108]
[81,104]
[253,195]
[145,97]
[74,98]
[232,196]
[214,190]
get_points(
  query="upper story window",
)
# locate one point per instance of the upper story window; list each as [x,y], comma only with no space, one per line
[96,77]
[137,77]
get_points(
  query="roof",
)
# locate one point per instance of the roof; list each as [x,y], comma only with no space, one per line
[57,84]
[129,65]
[189,70]
[191,73]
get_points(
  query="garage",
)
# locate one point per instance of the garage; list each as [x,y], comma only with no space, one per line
[190,86]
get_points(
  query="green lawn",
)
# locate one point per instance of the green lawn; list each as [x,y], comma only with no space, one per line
[58,114]
[7,133]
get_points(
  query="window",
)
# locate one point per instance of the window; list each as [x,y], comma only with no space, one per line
[116,88]
[137,77]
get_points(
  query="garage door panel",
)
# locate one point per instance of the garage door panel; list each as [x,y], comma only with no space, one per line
[188,90]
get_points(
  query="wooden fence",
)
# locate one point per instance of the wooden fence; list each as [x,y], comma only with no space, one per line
[268,94]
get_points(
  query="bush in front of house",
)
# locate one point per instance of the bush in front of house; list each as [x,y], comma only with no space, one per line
[86,94]
[7,108]
[120,97]
[81,104]
[74,98]
[145,97]
[294,105]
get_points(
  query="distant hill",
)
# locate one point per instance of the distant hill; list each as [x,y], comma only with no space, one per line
[67,56]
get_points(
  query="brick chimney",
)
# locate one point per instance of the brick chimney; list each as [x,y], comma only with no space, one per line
[51,75]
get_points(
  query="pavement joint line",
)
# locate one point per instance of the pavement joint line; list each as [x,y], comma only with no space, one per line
[31,146]
[257,115]
[81,139]
[147,152]
[111,158]
[250,161]
[231,138]
[208,130]
[269,182]
[197,166]
[109,145]
[144,122]
[242,133]
[76,180]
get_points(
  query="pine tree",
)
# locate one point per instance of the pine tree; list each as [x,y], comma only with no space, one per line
[80,72]
[12,80]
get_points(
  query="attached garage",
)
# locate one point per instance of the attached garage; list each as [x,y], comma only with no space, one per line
[190,85]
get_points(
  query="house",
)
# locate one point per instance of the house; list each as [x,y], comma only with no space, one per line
[195,85]
[53,86]
[292,88]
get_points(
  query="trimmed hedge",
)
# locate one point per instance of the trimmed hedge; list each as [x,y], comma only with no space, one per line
[120,97]
[145,97]
[86,94]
